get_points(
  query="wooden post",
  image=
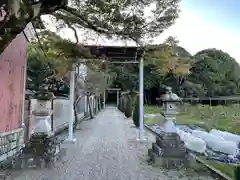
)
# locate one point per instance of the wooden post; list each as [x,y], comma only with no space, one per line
[52,107]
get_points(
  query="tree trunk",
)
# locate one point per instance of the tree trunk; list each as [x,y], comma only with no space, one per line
[75,116]
[75,111]
[90,108]
[150,96]
[18,14]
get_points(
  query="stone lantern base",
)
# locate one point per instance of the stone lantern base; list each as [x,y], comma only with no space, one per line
[169,151]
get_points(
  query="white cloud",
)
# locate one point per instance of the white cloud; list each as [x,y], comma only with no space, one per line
[196,33]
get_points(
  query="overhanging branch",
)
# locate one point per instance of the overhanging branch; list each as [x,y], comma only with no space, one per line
[89,25]
[85,22]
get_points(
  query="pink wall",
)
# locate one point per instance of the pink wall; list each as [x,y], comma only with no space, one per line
[12,83]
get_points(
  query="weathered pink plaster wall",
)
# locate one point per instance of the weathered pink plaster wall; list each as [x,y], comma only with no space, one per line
[12,83]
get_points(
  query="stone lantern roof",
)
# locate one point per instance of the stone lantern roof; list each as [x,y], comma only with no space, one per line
[169,96]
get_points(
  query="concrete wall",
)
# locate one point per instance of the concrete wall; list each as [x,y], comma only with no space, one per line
[60,113]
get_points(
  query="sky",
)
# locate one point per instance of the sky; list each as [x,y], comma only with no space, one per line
[202,24]
[208,24]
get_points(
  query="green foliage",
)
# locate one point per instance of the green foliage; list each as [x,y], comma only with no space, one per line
[124,75]
[136,118]
[128,19]
[168,58]
[38,69]
[216,73]
[121,104]
[42,71]
[60,52]
[210,72]
[44,95]
[125,18]
[161,66]
[62,55]
[237,173]
[128,109]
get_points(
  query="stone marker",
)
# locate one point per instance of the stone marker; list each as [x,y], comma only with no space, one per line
[169,151]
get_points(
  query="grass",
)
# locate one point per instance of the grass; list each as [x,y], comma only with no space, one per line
[225,118]
[152,110]
[224,168]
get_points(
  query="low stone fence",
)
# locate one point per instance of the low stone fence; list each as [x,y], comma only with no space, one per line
[11,142]
[60,116]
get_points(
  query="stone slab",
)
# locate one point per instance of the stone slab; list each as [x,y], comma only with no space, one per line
[170,152]
[169,163]
[168,143]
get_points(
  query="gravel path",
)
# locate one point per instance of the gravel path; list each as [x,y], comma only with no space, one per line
[106,149]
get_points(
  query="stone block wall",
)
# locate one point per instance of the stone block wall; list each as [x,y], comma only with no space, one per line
[10,143]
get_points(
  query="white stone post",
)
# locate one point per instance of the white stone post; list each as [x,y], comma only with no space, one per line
[117,98]
[141,102]
[86,105]
[70,138]
[104,99]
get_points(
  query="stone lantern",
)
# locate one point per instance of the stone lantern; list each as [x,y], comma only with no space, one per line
[42,114]
[43,146]
[169,150]
[170,103]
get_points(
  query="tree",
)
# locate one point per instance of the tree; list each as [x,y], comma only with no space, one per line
[62,55]
[216,72]
[136,118]
[164,64]
[16,14]
[44,72]
[95,84]
[169,58]
[38,69]
[127,19]
[124,75]
[130,99]
[237,172]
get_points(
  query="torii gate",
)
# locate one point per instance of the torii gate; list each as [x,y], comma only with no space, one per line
[111,89]
[120,55]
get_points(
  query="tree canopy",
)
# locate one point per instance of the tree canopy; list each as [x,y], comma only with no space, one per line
[129,19]
[216,72]
[209,72]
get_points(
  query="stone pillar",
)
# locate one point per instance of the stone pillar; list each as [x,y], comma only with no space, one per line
[104,99]
[169,150]
[86,112]
[117,98]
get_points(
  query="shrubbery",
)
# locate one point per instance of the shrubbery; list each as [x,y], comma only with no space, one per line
[128,108]
[136,113]
[121,104]
[237,173]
